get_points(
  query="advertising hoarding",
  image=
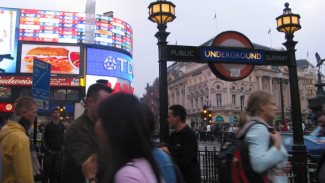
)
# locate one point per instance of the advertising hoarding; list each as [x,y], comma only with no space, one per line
[117,84]
[8,40]
[27,81]
[103,62]
[6,107]
[69,27]
[63,59]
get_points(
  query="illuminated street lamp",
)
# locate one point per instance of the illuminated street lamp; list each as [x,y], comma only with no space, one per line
[289,23]
[162,12]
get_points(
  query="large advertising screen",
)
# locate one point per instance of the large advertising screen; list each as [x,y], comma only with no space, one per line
[69,27]
[101,62]
[117,84]
[63,59]
[48,26]
[8,40]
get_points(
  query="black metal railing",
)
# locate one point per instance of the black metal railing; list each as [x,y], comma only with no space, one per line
[209,169]
[208,166]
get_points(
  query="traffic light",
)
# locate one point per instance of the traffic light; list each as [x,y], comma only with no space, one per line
[204,113]
[62,111]
[210,116]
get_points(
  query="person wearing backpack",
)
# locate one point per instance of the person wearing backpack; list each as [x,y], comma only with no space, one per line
[267,155]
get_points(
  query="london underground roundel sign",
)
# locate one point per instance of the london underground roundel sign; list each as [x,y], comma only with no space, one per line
[231,72]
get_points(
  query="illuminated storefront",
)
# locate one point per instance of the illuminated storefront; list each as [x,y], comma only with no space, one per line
[57,37]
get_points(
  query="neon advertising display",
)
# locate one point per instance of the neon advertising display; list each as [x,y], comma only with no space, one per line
[69,27]
[117,84]
[8,39]
[103,62]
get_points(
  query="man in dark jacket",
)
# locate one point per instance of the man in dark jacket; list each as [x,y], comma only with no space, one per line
[183,145]
[52,145]
[80,142]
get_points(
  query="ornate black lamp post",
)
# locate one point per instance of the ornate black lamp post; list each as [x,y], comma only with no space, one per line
[289,23]
[162,12]
[280,75]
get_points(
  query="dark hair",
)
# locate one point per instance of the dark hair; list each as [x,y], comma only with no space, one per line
[55,110]
[94,89]
[128,136]
[179,111]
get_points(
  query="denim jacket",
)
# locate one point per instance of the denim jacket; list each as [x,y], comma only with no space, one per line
[165,165]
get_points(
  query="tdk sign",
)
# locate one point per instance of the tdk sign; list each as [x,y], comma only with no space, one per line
[102,62]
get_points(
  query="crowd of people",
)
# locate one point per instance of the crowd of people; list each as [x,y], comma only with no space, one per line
[112,142]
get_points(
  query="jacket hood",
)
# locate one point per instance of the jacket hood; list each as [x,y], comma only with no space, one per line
[11,127]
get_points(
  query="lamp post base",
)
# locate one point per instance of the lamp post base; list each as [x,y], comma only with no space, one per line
[299,165]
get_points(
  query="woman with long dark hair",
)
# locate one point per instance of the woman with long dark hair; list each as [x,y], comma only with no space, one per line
[124,137]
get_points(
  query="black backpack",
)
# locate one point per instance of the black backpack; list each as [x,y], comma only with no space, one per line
[234,163]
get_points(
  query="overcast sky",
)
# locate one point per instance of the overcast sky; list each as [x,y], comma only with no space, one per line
[195,24]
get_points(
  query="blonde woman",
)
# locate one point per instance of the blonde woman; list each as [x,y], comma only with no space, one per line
[266,152]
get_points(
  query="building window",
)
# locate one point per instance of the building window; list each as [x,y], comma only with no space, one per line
[65,94]
[72,94]
[192,104]
[201,101]
[196,103]
[219,101]
[60,94]
[233,100]
[5,92]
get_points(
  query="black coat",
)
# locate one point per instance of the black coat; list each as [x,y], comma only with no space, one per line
[184,149]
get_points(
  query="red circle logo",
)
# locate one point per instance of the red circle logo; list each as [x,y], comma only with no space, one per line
[232,72]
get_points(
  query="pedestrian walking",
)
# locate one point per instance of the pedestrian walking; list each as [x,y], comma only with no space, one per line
[267,155]
[166,167]
[80,142]
[124,136]
[15,145]
[183,145]
[52,147]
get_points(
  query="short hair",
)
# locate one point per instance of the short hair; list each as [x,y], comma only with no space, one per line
[94,89]
[24,103]
[179,111]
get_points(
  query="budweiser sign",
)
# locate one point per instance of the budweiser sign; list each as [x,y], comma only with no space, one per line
[27,81]
[15,81]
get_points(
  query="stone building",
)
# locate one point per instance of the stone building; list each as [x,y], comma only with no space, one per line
[151,98]
[193,85]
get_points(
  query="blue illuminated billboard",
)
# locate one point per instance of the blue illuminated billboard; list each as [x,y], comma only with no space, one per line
[8,40]
[101,62]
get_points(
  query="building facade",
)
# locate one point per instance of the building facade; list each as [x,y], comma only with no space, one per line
[151,98]
[193,85]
